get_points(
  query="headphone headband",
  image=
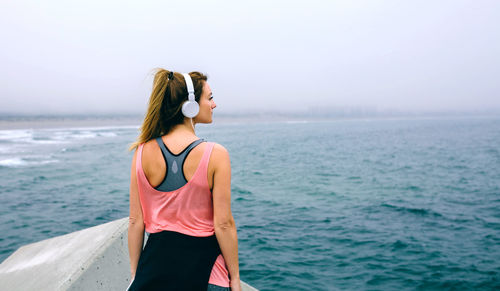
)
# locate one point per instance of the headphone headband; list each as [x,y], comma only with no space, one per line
[190,87]
[190,108]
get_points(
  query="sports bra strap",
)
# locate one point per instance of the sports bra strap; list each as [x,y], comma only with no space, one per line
[174,176]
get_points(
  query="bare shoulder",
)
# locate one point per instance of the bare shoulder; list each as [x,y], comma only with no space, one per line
[149,144]
[150,162]
[220,155]
[150,150]
[220,151]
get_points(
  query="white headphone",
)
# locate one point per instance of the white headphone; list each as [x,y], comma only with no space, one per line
[190,108]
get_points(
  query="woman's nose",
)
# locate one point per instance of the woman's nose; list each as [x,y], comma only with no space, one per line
[213,104]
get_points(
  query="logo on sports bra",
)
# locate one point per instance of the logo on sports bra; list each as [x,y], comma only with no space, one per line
[174,167]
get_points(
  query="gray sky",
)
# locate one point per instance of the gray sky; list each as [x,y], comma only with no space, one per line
[96,56]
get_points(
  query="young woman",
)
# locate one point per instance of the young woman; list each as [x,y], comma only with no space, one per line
[180,193]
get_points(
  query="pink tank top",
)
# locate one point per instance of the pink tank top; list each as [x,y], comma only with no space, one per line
[188,210]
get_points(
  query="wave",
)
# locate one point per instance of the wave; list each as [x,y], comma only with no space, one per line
[39,141]
[20,162]
[9,135]
[51,136]
[4,150]
[93,128]
[12,162]
[79,135]
[413,188]
[416,211]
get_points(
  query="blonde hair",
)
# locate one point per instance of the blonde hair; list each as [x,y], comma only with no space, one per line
[165,104]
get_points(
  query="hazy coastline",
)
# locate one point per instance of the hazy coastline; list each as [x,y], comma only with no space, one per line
[26,121]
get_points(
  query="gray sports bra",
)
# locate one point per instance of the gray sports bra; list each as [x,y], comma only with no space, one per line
[174,176]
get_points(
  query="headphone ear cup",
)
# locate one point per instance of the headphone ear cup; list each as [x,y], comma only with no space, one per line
[190,109]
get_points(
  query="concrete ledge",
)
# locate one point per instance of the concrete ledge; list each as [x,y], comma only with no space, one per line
[95,258]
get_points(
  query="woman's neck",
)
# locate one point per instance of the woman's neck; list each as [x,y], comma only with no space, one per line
[186,128]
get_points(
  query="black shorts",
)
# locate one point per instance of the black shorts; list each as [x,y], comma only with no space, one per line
[175,261]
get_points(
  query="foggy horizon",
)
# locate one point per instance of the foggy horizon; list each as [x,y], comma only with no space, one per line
[310,113]
[289,57]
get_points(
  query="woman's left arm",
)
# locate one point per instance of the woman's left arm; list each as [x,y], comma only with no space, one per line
[136,222]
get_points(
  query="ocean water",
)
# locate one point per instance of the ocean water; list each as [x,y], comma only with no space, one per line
[320,205]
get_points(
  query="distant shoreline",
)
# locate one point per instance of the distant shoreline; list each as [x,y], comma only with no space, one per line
[13,122]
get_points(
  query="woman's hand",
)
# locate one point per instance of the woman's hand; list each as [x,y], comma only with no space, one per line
[235,285]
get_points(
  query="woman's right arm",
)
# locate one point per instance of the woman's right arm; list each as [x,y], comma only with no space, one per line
[225,228]
[136,223]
